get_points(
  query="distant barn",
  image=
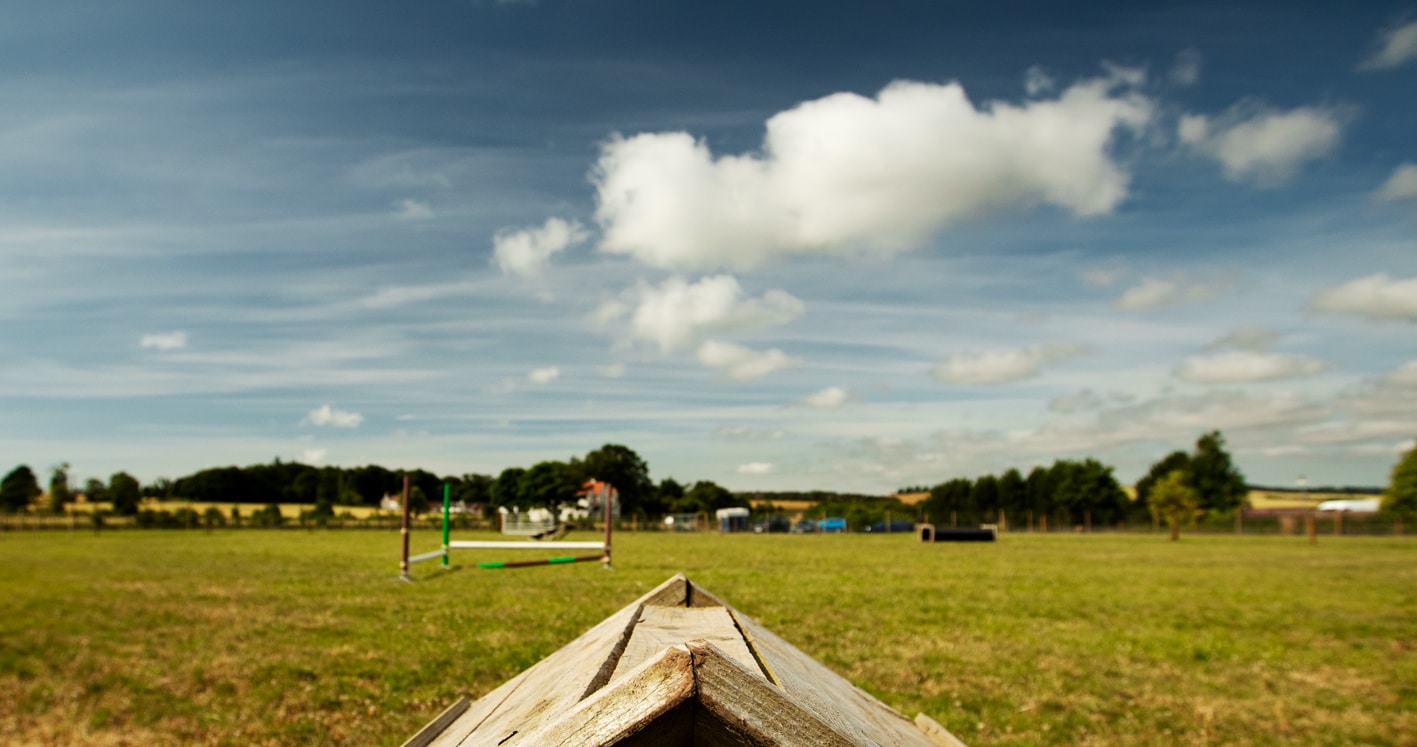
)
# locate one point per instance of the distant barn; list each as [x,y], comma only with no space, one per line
[679,667]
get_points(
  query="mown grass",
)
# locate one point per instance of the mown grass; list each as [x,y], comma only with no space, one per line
[266,637]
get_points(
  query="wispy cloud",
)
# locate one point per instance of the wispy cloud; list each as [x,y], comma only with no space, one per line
[1187,69]
[164,340]
[1158,293]
[1402,185]
[744,364]
[757,468]
[1238,366]
[1263,146]
[1375,297]
[1394,47]
[413,210]
[1002,366]
[527,251]
[544,375]
[327,415]
[678,314]
[831,398]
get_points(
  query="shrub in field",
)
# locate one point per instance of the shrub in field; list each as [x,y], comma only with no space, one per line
[1175,500]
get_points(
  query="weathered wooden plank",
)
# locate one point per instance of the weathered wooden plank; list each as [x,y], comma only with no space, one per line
[848,709]
[427,734]
[939,735]
[625,707]
[661,627]
[739,707]
[557,682]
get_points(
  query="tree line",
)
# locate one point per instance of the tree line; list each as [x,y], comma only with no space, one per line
[548,484]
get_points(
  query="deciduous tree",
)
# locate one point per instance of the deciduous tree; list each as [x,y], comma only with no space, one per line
[1173,499]
[19,489]
[124,493]
[1400,498]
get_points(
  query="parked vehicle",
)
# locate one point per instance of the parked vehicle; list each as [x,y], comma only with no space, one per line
[772,525]
[805,526]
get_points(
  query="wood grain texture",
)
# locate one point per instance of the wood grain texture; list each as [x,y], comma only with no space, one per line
[661,627]
[939,735]
[627,706]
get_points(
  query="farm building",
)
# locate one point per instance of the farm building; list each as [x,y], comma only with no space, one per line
[679,667]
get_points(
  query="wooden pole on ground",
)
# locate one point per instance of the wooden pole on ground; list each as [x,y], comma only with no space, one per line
[403,564]
[1087,521]
[1030,520]
[1043,525]
[1397,527]
[447,510]
[606,558]
[1239,513]
[1311,526]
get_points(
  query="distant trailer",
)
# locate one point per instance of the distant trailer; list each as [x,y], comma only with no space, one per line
[1356,505]
[928,533]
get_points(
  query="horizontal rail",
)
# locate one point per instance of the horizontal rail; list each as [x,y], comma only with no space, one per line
[426,556]
[477,545]
[548,561]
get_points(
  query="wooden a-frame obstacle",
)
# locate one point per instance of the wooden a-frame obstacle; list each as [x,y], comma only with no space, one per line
[603,547]
[677,667]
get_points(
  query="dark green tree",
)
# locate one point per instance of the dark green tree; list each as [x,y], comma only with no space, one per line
[95,490]
[124,493]
[1217,481]
[550,485]
[506,490]
[1400,498]
[709,496]
[1013,495]
[59,494]
[19,489]
[1176,460]
[623,468]
[417,500]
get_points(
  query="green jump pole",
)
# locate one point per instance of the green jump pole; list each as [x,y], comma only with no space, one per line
[446,508]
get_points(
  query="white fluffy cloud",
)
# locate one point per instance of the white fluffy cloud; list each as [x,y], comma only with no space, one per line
[1402,185]
[326,415]
[1083,401]
[848,173]
[313,456]
[528,250]
[757,468]
[744,364]
[1375,296]
[1156,293]
[830,398]
[544,375]
[1239,366]
[1002,366]
[1394,47]
[678,314]
[1264,147]
[164,341]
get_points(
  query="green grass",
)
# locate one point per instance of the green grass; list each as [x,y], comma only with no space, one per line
[294,637]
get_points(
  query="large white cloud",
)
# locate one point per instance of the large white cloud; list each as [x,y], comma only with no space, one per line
[1265,147]
[1157,293]
[326,415]
[1402,185]
[1002,366]
[678,314]
[1395,46]
[1239,366]
[543,375]
[528,250]
[1375,296]
[848,173]
[744,364]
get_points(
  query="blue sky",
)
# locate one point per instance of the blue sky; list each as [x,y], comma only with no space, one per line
[854,247]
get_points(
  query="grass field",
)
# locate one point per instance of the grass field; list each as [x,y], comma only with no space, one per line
[266,637]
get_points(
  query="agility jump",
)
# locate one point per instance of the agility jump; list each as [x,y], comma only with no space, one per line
[606,493]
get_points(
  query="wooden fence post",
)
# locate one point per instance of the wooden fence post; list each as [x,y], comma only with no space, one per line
[1311,526]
